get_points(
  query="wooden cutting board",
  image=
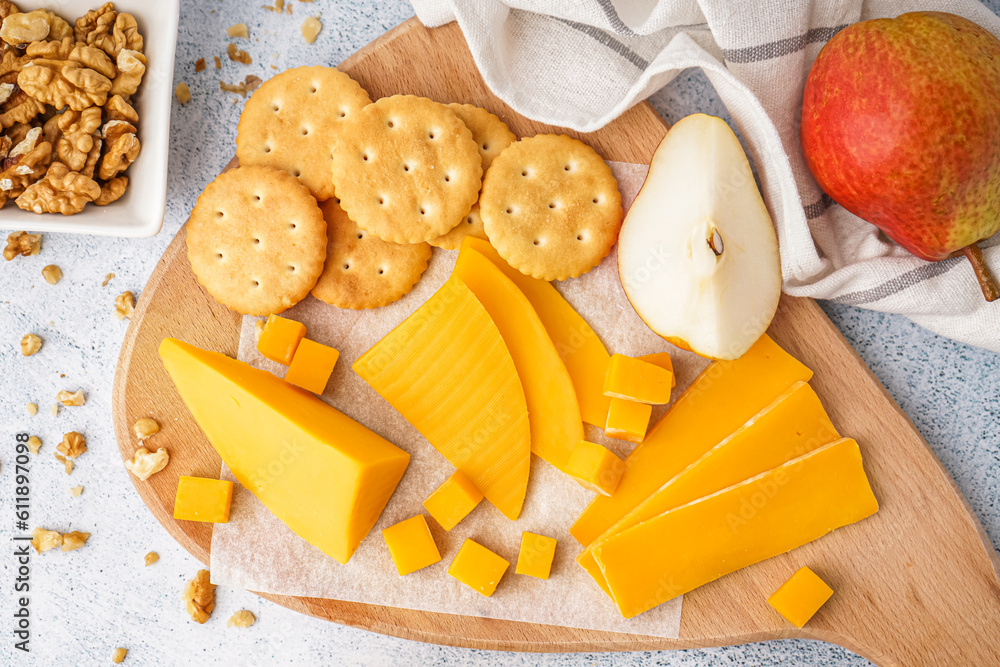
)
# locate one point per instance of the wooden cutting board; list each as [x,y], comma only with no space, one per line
[917,584]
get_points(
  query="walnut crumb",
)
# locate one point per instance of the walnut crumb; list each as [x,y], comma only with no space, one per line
[144,463]
[67,397]
[45,540]
[311,28]
[244,618]
[52,274]
[74,540]
[30,344]
[76,491]
[238,30]
[249,84]
[145,427]
[199,597]
[32,409]
[54,410]
[236,55]
[72,445]
[22,243]
[218,62]
[107,279]
[199,65]
[34,444]
[288,9]
[182,93]
[67,464]
[151,558]
[119,655]
[124,305]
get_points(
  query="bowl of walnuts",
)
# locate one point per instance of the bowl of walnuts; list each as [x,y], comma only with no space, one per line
[85,115]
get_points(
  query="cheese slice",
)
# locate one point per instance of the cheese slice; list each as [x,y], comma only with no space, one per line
[448,372]
[775,512]
[553,412]
[323,474]
[577,343]
[720,400]
[794,424]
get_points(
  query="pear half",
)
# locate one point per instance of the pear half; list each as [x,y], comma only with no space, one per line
[697,253]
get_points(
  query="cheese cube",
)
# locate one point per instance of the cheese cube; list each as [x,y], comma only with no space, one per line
[312,365]
[411,545]
[800,597]
[478,568]
[595,467]
[663,360]
[637,380]
[279,339]
[201,499]
[452,501]
[627,420]
[535,557]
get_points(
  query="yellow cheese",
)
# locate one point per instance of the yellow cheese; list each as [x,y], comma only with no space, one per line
[411,545]
[553,412]
[312,365]
[794,424]
[762,517]
[448,372]
[536,554]
[663,360]
[279,339]
[637,380]
[595,467]
[201,499]
[322,473]
[478,568]
[453,500]
[581,350]
[720,400]
[800,597]
[627,420]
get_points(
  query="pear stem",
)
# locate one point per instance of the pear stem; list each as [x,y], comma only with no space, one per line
[991,290]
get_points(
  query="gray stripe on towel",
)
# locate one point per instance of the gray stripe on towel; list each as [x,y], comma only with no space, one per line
[781,47]
[607,40]
[899,283]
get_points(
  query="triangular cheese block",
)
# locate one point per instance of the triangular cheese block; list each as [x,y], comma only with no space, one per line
[448,372]
[324,475]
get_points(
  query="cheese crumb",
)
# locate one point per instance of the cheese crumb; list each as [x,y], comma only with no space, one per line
[311,28]
[151,558]
[119,655]
[244,618]
[183,93]
[238,30]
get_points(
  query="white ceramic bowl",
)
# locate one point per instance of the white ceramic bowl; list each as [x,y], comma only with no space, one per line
[140,211]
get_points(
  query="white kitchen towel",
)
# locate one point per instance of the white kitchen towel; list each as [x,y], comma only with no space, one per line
[581,63]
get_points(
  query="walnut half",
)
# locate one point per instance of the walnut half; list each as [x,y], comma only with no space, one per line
[72,446]
[144,463]
[61,191]
[199,597]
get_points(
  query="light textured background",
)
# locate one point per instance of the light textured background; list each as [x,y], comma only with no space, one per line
[87,602]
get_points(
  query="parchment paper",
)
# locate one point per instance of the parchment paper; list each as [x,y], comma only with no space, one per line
[255,551]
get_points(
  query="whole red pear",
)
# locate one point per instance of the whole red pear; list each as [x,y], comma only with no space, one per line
[901,126]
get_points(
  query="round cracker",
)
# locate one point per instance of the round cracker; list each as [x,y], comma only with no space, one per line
[551,207]
[363,271]
[256,240]
[489,132]
[471,225]
[292,119]
[406,169]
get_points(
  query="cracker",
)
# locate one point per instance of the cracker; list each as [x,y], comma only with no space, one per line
[471,225]
[363,271]
[491,136]
[256,240]
[551,207]
[406,169]
[292,119]
[489,132]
